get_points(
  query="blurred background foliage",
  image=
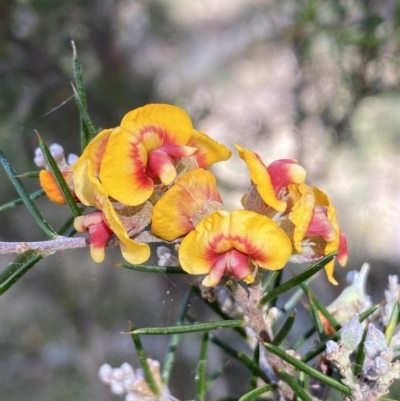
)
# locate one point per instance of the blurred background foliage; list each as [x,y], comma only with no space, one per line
[313,80]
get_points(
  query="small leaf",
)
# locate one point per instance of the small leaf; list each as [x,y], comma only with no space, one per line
[253,394]
[360,355]
[59,178]
[201,369]
[271,278]
[285,329]
[255,368]
[17,202]
[238,355]
[322,308]
[307,369]
[297,389]
[306,336]
[29,174]
[190,328]
[295,281]
[170,355]
[143,361]
[80,88]
[316,320]
[23,193]
[85,115]
[18,267]
[153,269]
[390,328]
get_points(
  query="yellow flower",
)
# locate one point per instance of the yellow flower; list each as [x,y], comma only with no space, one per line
[94,151]
[193,196]
[304,213]
[234,244]
[146,149]
[105,222]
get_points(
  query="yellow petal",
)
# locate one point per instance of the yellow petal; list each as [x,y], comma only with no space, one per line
[208,150]
[301,213]
[261,178]
[194,193]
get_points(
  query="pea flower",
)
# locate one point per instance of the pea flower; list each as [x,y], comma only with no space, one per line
[193,196]
[305,214]
[145,150]
[104,222]
[235,244]
[94,152]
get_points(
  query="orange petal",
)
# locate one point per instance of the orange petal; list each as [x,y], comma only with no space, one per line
[50,186]
[261,178]
[193,194]
[208,150]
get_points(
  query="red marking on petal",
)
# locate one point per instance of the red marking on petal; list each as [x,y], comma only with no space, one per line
[161,165]
[342,256]
[284,172]
[176,151]
[99,234]
[320,225]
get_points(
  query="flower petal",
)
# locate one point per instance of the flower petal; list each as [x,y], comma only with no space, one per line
[124,169]
[261,178]
[250,234]
[260,238]
[91,193]
[284,172]
[208,150]
[50,186]
[194,195]
[94,151]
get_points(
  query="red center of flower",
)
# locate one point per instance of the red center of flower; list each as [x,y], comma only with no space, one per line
[232,263]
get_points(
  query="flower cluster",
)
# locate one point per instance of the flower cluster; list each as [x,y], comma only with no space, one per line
[152,169]
[132,383]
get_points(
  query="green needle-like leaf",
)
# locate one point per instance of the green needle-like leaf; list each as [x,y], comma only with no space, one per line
[307,369]
[85,115]
[201,369]
[306,336]
[29,174]
[210,382]
[190,328]
[255,368]
[17,202]
[316,320]
[239,356]
[292,301]
[143,361]
[23,193]
[215,306]
[173,343]
[153,269]
[285,329]
[322,308]
[80,88]
[295,281]
[297,389]
[17,268]
[271,279]
[390,328]
[321,346]
[253,394]
[360,354]
[59,178]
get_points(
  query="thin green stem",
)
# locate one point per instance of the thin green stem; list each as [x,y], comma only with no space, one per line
[201,369]
[17,202]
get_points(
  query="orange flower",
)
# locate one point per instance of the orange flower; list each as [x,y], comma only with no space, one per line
[105,222]
[145,150]
[234,244]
